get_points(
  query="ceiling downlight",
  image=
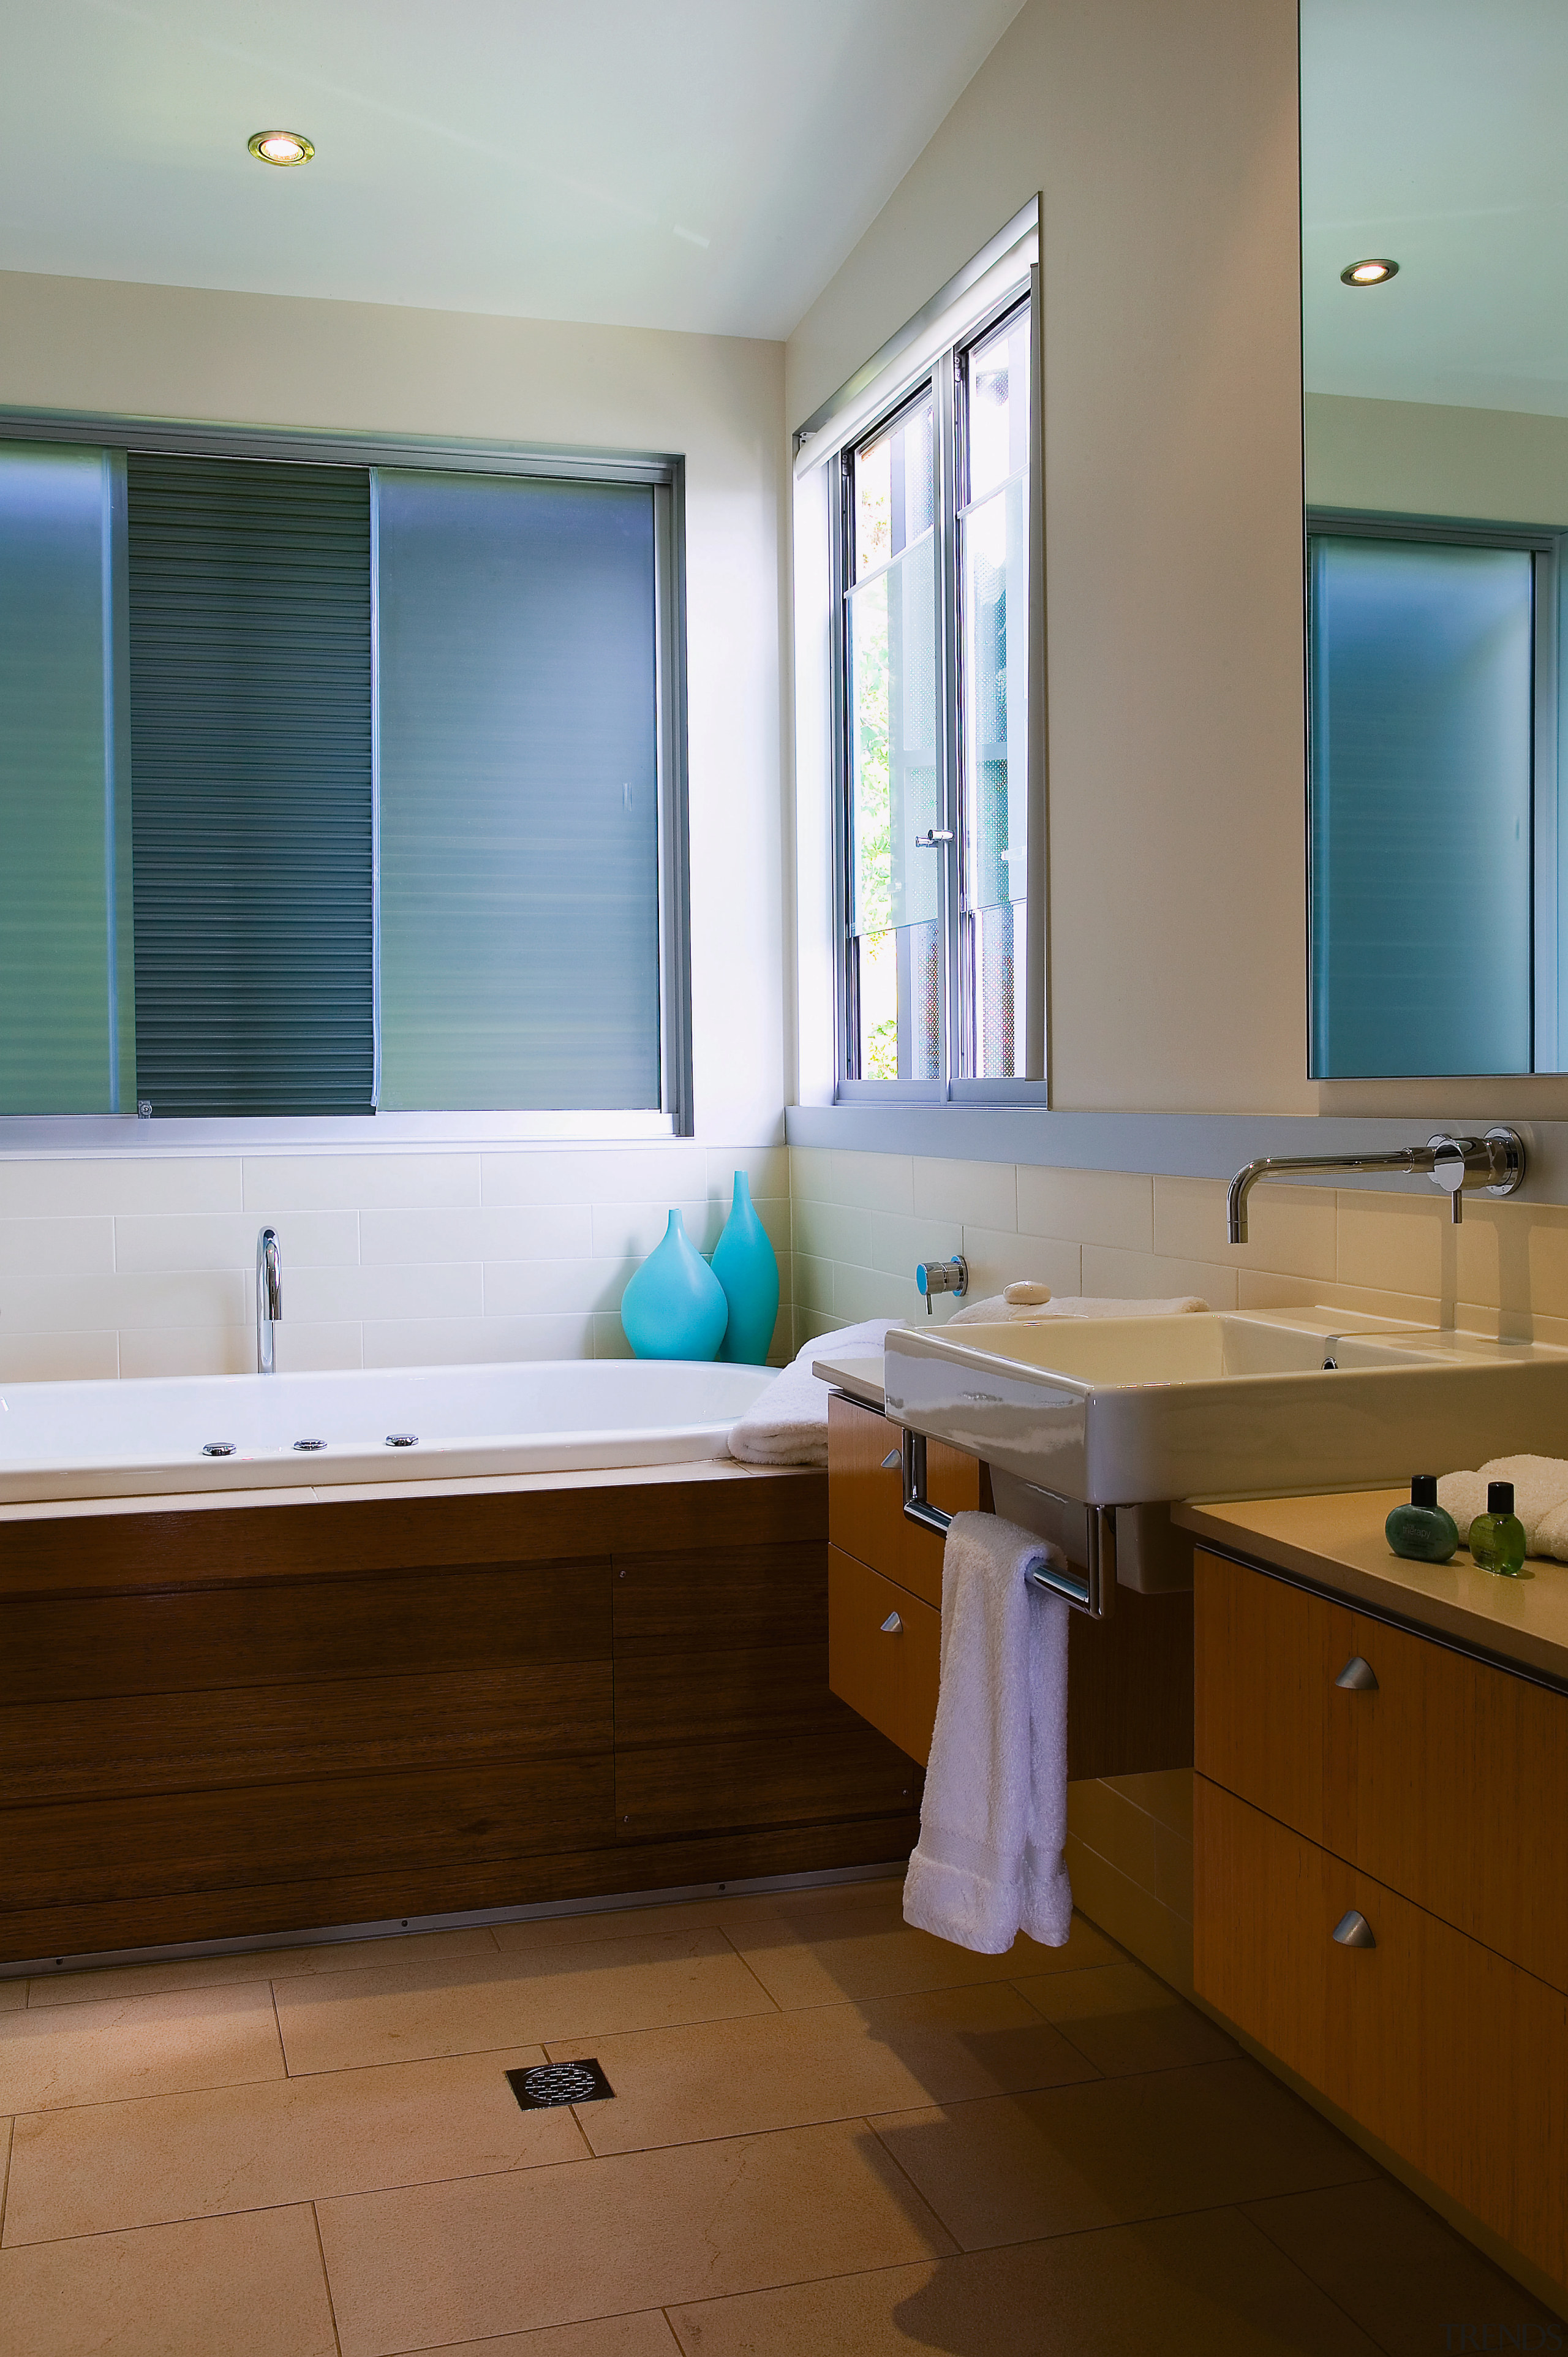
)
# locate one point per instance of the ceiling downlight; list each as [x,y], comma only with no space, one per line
[1376,271]
[280,147]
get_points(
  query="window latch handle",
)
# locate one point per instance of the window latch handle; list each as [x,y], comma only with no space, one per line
[932,838]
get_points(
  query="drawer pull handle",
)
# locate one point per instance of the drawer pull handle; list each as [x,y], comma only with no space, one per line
[1358,1676]
[1353,1930]
[892,1626]
[894,1457]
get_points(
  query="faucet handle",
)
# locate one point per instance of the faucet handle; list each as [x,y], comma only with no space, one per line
[1450,1166]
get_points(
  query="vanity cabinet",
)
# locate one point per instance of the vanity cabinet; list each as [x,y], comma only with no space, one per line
[1348,1768]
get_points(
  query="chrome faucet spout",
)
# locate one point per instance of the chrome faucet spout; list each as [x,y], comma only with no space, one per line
[1494,1164]
[269,1298]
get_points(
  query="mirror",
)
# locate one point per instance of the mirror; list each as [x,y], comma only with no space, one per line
[1434,305]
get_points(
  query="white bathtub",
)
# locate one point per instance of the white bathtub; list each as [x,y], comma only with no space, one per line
[147,1438]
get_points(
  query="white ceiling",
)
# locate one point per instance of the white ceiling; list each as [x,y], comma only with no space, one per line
[1436,132]
[691,164]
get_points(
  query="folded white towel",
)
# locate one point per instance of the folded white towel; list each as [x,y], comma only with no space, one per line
[1540,1499]
[989,1861]
[998,1310]
[787,1424]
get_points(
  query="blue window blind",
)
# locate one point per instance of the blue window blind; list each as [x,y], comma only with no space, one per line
[517,717]
[1421,736]
[252,829]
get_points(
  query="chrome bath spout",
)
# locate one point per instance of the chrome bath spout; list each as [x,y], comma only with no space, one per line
[1494,1164]
[269,1298]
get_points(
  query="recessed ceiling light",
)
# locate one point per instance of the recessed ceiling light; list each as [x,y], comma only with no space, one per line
[280,147]
[1371,272]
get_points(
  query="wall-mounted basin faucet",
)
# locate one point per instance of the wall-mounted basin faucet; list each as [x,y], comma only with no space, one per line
[935,1276]
[269,1298]
[1494,1164]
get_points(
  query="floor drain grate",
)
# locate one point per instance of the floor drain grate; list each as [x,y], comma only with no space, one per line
[548,2083]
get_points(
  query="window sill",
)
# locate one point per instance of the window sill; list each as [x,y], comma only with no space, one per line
[50,1136]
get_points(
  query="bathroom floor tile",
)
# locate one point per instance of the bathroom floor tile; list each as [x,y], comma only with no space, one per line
[647,2334]
[498,2254]
[103,2052]
[1185,2288]
[1010,2168]
[1405,2276]
[109,2166]
[836,1956]
[245,2286]
[253,1964]
[13,1995]
[825,2063]
[1124,2019]
[402,2013]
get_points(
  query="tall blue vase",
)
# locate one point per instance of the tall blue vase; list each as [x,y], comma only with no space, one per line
[674,1306]
[748,1267]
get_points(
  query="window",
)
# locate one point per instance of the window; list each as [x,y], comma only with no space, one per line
[1435,906]
[932,650]
[337,788]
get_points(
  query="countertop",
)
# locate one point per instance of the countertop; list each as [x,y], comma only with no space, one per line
[1336,1543]
[860,1377]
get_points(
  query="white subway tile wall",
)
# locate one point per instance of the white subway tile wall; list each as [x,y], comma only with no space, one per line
[126,1266]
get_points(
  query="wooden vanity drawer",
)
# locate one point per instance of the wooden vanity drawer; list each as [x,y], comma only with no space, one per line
[1451,2056]
[1265,1656]
[889,1677]
[866,1497]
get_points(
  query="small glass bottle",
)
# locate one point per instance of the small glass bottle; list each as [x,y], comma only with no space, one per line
[1422,1532]
[1496,1537]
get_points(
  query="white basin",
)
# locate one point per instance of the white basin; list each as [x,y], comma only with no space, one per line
[1140,1410]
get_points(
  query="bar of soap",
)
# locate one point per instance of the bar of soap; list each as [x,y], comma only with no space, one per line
[1025,1294]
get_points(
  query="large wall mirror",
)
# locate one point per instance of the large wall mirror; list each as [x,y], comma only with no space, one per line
[1434,276]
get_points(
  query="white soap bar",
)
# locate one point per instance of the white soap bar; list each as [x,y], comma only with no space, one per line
[1025,1294]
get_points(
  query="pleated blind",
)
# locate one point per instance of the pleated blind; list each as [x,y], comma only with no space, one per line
[252,829]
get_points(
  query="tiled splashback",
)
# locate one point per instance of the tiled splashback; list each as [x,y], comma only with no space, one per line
[136,1267]
[862,1221]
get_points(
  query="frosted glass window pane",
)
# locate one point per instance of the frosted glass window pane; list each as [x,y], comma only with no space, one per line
[519,794]
[1421,807]
[54,1043]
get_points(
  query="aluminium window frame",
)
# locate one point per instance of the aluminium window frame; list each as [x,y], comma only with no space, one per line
[665,474]
[1548,551]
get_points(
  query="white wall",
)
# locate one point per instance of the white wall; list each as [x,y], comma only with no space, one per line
[138,1284]
[1425,457]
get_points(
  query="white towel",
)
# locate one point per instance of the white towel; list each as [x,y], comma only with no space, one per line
[998,1310]
[989,1861]
[787,1424]
[1540,1499]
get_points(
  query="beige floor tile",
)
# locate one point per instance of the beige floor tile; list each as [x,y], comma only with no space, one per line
[256,1964]
[13,1995]
[826,2062]
[400,2014]
[108,2166]
[837,1956]
[136,2045]
[1402,2273]
[1105,2154]
[499,2254]
[1124,2019]
[1182,2287]
[647,2334]
[7,2131]
[246,2287]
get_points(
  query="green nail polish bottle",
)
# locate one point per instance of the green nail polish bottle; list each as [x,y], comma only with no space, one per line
[1496,1537]
[1422,1532]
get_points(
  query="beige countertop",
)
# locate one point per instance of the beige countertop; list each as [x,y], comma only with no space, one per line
[860,1377]
[1338,1543]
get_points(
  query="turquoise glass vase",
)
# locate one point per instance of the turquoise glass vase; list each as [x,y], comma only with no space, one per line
[748,1267]
[674,1305]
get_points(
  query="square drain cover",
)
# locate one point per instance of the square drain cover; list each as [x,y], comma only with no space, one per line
[559,2082]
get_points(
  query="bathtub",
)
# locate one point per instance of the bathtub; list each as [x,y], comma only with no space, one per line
[157,1435]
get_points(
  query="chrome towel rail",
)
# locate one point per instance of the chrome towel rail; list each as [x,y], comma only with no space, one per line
[1089,1593]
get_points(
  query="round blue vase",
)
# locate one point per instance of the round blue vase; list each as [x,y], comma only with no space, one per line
[748,1267]
[674,1306]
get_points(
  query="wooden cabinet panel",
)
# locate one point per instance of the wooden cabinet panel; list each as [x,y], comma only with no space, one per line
[1453,2057]
[1128,1687]
[720,1601]
[1462,1794]
[866,1497]
[272,1632]
[889,1677]
[843,1769]
[1270,1722]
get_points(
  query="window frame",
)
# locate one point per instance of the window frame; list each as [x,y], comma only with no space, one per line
[1548,550]
[944,369]
[665,473]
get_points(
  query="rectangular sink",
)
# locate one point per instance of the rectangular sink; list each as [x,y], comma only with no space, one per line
[1225,1403]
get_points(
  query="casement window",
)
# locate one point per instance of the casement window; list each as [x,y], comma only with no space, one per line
[933,555]
[331,788]
[1436,866]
